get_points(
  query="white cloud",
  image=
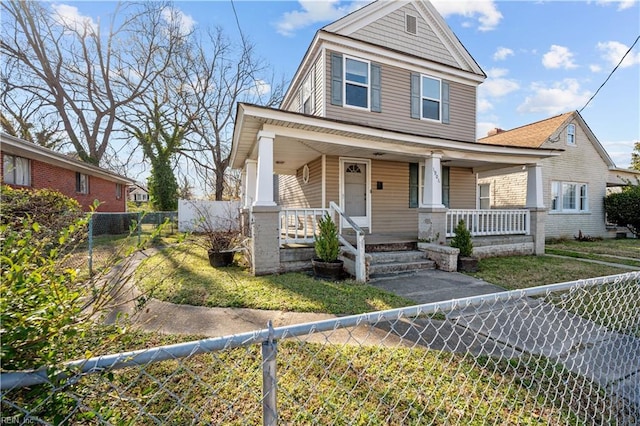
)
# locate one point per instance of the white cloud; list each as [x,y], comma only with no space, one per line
[485,11]
[622,4]
[502,53]
[177,17]
[619,151]
[613,51]
[70,17]
[595,68]
[261,88]
[313,11]
[562,96]
[484,105]
[496,86]
[558,57]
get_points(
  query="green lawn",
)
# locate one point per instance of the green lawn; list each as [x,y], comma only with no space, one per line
[516,272]
[182,274]
[329,384]
[625,251]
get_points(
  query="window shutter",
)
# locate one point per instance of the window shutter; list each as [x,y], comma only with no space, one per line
[413,185]
[376,101]
[336,79]
[415,95]
[445,102]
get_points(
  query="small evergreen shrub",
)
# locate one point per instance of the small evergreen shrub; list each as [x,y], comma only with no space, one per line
[462,240]
[327,244]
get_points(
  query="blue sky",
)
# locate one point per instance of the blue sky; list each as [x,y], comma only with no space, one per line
[542,58]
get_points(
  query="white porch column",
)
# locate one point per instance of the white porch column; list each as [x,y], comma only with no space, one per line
[432,184]
[250,178]
[534,187]
[264,187]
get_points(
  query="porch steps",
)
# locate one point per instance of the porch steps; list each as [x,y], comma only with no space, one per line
[385,263]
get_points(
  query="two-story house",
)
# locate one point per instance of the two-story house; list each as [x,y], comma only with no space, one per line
[378,127]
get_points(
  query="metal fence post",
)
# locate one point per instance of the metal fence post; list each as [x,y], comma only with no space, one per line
[269,380]
[91,245]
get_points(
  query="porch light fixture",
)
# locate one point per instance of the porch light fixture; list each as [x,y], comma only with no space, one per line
[378,154]
[279,162]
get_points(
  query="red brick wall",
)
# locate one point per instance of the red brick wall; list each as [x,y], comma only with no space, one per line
[45,175]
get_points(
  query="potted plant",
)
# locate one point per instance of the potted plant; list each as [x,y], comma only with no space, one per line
[218,234]
[327,265]
[462,241]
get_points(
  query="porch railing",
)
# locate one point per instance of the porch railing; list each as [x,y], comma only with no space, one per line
[300,225]
[359,250]
[490,222]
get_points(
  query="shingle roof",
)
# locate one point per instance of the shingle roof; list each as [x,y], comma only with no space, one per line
[532,135]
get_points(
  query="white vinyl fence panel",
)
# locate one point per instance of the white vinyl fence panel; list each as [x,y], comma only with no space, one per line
[193,213]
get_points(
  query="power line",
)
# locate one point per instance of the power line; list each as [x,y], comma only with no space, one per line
[610,74]
[233,6]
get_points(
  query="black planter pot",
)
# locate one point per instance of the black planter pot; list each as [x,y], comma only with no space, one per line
[328,270]
[467,264]
[220,258]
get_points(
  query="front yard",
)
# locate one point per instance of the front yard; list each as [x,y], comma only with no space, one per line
[181,274]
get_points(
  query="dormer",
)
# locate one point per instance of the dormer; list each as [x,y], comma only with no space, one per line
[394,65]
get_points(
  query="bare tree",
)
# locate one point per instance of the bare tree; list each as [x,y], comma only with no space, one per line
[216,75]
[83,72]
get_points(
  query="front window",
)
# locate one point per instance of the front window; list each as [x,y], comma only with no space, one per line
[430,102]
[17,170]
[484,196]
[571,134]
[356,83]
[118,191]
[82,183]
[569,197]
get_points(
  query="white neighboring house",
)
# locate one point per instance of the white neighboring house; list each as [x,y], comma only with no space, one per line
[138,193]
[574,183]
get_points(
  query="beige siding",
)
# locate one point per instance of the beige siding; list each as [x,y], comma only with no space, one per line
[389,32]
[462,188]
[396,109]
[333,182]
[317,88]
[294,193]
[390,205]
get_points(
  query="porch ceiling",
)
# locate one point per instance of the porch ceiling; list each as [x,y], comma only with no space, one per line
[301,139]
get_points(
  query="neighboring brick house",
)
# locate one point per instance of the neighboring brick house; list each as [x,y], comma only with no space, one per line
[27,165]
[574,183]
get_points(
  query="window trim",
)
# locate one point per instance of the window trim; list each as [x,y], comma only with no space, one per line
[485,198]
[558,197]
[345,81]
[14,170]
[119,191]
[571,134]
[406,23]
[423,98]
[79,186]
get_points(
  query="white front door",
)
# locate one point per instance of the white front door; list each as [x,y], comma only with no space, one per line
[355,191]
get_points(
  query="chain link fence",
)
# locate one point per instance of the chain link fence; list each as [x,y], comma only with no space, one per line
[109,236]
[566,353]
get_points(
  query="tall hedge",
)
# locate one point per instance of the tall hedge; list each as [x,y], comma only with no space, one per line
[623,208]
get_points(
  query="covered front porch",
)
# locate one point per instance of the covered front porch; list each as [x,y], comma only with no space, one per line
[373,182]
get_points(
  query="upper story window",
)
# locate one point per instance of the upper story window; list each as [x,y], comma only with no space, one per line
[355,83]
[82,183]
[356,87]
[17,170]
[571,134]
[411,24]
[430,98]
[569,197]
[306,95]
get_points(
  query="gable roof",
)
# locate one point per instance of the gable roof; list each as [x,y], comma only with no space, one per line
[439,32]
[532,135]
[16,146]
[536,134]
